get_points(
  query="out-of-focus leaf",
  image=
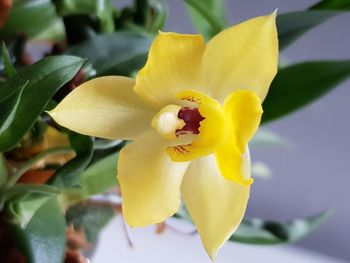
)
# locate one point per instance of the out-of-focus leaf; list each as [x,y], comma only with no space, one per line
[44,238]
[103,9]
[10,71]
[45,78]
[90,218]
[142,8]
[8,109]
[68,176]
[267,232]
[264,232]
[158,16]
[332,5]
[261,170]
[265,138]
[300,84]
[35,18]
[208,16]
[120,53]
[293,25]
[97,179]
[150,14]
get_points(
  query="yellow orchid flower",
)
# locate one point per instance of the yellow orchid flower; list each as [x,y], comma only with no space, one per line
[190,113]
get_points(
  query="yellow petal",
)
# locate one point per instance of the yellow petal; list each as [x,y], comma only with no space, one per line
[232,163]
[104,107]
[244,109]
[244,56]
[150,182]
[173,65]
[216,204]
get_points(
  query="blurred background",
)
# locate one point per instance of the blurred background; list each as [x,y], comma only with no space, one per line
[312,173]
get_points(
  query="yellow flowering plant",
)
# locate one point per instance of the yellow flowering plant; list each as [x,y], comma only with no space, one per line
[190,114]
[161,122]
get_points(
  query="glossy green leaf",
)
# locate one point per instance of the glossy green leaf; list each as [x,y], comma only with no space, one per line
[45,78]
[120,53]
[265,138]
[293,25]
[9,69]
[97,179]
[90,218]
[103,9]
[35,18]
[44,238]
[208,16]
[300,84]
[68,175]
[332,5]
[265,232]
[8,109]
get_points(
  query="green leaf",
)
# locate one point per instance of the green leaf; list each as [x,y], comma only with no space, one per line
[208,16]
[261,232]
[8,109]
[90,218]
[68,175]
[298,85]
[101,176]
[97,179]
[44,238]
[45,78]
[332,5]
[293,25]
[267,232]
[22,208]
[35,18]
[103,9]
[8,67]
[265,138]
[120,53]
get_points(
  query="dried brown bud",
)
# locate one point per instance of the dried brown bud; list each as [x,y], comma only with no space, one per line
[5,7]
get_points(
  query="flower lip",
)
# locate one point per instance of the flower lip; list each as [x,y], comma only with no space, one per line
[192,118]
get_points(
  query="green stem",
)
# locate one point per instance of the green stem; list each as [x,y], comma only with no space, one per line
[30,188]
[216,26]
[27,165]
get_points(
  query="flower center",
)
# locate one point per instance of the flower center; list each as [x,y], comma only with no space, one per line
[192,118]
[173,121]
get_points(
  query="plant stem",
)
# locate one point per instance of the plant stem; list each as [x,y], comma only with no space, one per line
[30,188]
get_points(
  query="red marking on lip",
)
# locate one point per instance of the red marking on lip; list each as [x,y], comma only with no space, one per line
[192,118]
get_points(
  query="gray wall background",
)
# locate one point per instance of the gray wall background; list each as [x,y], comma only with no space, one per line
[314,174]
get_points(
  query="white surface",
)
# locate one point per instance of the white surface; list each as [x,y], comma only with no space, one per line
[173,247]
